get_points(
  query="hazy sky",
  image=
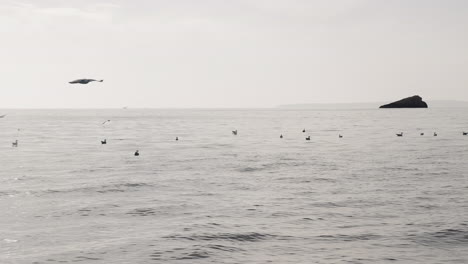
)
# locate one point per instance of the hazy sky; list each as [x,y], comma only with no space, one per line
[236,53]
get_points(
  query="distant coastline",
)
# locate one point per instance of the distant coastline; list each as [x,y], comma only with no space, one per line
[373,105]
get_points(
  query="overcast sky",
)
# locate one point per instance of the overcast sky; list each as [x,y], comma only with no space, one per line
[236,53]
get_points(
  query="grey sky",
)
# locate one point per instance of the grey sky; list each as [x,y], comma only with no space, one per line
[238,53]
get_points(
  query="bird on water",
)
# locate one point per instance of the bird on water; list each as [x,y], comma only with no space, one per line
[422,134]
[308,138]
[303,130]
[15,144]
[281,136]
[465,133]
[85,81]
[234,132]
[435,134]
[176,138]
[400,135]
[137,153]
[103,142]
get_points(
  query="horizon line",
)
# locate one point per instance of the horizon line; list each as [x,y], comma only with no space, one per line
[280,106]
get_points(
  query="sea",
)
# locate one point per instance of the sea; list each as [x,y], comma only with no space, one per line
[215,197]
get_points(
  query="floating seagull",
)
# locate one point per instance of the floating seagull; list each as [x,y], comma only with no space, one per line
[105,122]
[85,81]
[176,138]
[400,135]
[281,136]
[137,153]
[303,130]
[340,136]
[234,132]
[2,116]
[435,134]
[422,134]
[103,142]
[465,133]
[308,138]
[15,144]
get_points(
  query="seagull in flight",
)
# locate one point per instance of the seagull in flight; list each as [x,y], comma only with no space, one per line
[85,81]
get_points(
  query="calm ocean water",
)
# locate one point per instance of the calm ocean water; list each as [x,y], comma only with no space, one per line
[212,197]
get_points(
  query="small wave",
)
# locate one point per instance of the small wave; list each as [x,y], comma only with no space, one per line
[198,254]
[444,237]
[180,254]
[349,238]
[158,210]
[142,212]
[194,252]
[85,258]
[269,166]
[249,169]
[327,205]
[325,180]
[120,187]
[223,248]
[8,241]
[241,237]
[9,193]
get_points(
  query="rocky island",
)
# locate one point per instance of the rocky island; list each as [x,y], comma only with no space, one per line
[410,102]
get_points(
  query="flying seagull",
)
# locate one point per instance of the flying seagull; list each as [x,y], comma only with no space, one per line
[85,81]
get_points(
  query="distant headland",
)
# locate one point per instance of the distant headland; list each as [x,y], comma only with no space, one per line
[370,105]
[409,102]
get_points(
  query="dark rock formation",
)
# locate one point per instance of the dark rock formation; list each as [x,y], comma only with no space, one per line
[410,102]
